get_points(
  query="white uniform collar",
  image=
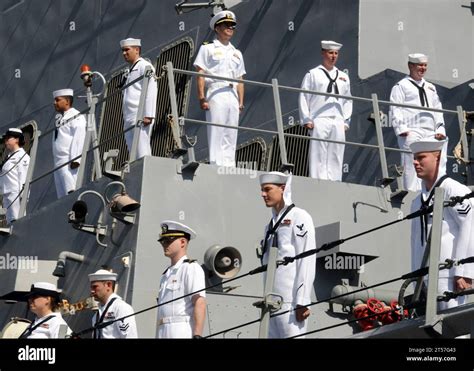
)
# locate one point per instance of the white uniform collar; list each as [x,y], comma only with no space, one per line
[114,295]
[325,69]
[219,44]
[70,112]
[178,263]
[55,314]
[277,215]
[421,82]
[426,192]
[10,154]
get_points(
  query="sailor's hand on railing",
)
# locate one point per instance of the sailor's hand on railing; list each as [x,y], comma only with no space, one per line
[309,125]
[440,136]
[147,121]
[204,104]
[405,134]
[74,165]
[302,313]
[462,283]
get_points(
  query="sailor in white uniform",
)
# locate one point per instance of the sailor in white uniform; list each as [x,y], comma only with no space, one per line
[457,227]
[68,141]
[412,124]
[13,172]
[183,318]
[43,300]
[131,49]
[222,100]
[111,307]
[326,117]
[294,229]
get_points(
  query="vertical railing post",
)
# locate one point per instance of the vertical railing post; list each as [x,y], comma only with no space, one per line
[380,142]
[90,140]
[267,303]
[462,133]
[435,248]
[279,121]
[174,104]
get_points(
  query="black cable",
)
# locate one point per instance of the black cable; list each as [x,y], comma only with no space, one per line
[108,323]
[79,156]
[86,110]
[448,295]
[330,245]
[311,304]
[458,199]
[416,273]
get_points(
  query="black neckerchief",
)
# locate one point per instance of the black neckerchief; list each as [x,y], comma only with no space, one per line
[98,332]
[56,129]
[125,75]
[272,229]
[8,158]
[425,205]
[331,82]
[422,93]
[32,328]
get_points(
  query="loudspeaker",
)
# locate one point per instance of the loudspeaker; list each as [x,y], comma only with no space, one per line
[225,262]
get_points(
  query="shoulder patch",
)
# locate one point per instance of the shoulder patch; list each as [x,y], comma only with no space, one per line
[190,260]
[205,42]
[464,209]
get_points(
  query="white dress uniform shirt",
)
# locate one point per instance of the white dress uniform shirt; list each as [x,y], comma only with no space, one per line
[419,123]
[175,320]
[456,241]
[49,329]
[294,282]
[126,329]
[221,60]
[330,116]
[68,143]
[12,178]
[131,100]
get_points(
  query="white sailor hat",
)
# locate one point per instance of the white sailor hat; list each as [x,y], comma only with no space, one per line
[221,17]
[103,275]
[43,289]
[170,228]
[130,42]
[330,45]
[417,58]
[427,145]
[63,93]
[274,177]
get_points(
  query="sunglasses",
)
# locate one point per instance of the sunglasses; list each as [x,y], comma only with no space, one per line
[232,26]
[167,240]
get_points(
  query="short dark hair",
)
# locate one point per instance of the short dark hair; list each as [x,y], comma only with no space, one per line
[54,303]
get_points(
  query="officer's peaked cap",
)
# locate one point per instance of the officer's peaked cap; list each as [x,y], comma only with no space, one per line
[170,228]
[221,17]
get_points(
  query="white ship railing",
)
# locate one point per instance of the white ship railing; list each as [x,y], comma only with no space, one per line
[178,127]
